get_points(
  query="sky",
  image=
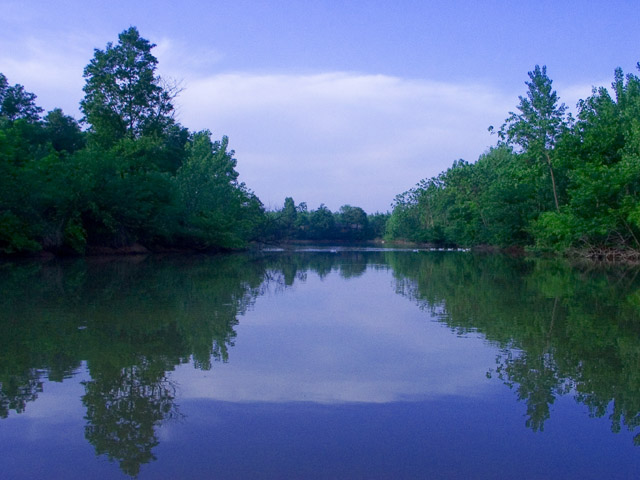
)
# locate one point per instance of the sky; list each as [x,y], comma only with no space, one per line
[334,102]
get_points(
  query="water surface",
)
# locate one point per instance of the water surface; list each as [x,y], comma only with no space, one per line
[320,363]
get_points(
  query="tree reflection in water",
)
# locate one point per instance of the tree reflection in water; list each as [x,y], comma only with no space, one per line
[16,390]
[560,329]
[124,407]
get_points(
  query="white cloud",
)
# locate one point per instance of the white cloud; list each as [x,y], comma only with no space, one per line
[49,67]
[341,137]
[184,60]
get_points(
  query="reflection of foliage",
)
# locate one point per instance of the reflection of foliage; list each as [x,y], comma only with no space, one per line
[56,314]
[123,408]
[348,264]
[132,321]
[538,383]
[130,394]
[17,390]
[561,329]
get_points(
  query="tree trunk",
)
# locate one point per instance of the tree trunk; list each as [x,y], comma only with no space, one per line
[553,182]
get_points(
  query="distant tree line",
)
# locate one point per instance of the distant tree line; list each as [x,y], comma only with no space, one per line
[553,182]
[296,222]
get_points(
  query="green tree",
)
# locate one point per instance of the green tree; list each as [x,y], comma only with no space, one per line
[16,103]
[288,217]
[506,198]
[218,211]
[321,223]
[123,95]
[539,124]
[63,131]
[378,224]
[407,219]
[353,222]
[604,181]
[135,176]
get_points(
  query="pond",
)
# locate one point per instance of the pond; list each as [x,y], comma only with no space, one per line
[319,363]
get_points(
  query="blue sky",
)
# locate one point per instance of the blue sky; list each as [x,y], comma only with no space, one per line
[335,102]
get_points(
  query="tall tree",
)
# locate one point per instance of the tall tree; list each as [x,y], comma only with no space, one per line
[539,123]
[288,217]
[123,95]
[321,223]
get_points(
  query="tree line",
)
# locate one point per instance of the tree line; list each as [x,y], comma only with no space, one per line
[135,175]
[552,182]
[128,175]
[295,222]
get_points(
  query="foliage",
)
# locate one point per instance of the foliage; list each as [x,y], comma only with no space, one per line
[217,210]
[591,164]
[123,95]
[348,224]
[136,176]
[540,123]
[604,180]
[16,103]
[470,204]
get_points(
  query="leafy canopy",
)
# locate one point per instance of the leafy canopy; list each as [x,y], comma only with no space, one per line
[123,95]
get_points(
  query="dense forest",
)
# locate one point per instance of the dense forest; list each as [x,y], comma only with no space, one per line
[553,182]
[128,177]
[134,176]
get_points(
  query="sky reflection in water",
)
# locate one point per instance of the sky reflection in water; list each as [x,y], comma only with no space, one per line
[333,340]
[344,364]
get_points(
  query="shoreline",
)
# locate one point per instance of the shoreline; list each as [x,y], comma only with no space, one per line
[592,255]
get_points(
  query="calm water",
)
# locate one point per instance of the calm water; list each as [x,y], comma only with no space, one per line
[321,363]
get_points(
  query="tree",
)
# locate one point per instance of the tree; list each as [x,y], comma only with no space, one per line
[603,194]
[378,224]
[123,95]
[63,131]
[354,222]
[16,103]
[288,217]
[538,126]
[218,211]
[321,223]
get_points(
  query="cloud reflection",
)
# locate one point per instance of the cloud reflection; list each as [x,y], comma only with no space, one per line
[328,341]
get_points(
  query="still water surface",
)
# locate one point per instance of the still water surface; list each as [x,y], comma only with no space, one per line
[319,363]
